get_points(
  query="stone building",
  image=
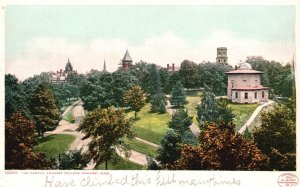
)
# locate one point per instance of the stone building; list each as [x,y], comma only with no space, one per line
[244,85]
[61,76]
[222,55]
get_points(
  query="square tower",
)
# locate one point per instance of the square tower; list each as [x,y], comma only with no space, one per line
[222,55]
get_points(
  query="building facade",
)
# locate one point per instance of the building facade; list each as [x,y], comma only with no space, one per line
[222,55]
[244,85]
[61,76]
[126,62]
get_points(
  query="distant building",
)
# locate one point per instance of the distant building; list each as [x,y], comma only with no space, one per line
[222,55]
[104,67]
[126,62]
[61,76]
[172,68]
[244,85]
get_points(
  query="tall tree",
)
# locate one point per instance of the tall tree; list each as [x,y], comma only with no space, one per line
[155,85]
[135,99]
[178,98]
[188,73]
[276,137]
[19,140]
[106,127]
[221,148]
[169,148]
[180,121]
[173,78]
[158,103]
[46,114]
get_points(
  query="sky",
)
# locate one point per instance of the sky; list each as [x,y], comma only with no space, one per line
[42,38]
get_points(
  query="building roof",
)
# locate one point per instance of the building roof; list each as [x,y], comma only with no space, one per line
[259,87]
[127,57]
[244,71]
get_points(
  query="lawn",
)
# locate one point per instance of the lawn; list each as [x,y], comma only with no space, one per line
[257,122]
[123,164]
[69,116]
[54,145]
[193,98]
[242,113]
[150,126]
[141,147]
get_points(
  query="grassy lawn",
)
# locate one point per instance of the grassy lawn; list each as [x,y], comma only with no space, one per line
[69,116]
[54,145]
[141,147]
[242,113]
[123,164]
[193,98]
[150,126]
[257,122]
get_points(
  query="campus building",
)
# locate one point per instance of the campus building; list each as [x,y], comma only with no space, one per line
[61,76]
[244,85]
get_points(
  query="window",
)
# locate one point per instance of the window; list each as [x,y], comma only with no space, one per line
[255,95]
[219,60]
[232,82]
[246,95]
[244,81]
[263,94]
[236,95]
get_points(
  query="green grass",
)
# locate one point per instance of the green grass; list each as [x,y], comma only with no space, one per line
[150,126]
[193,98]
[257,120]
[54,145]
[123,164]
[69,116]
[141,147]
[242,113]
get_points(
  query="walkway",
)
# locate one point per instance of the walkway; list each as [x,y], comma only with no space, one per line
[254,115]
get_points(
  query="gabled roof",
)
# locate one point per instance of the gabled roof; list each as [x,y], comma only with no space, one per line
[244,71]
[127,57]
[258,87]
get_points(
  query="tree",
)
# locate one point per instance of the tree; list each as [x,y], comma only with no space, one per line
[224,112]
[180,121]
[188,73]
[169,148]
[158,103]
[152,164]
[73,160]
[135,99]
[14,97]
[155,85]
[19,140]
[178,98]
[106,127]
[221,148]
[173,78]
[46,114]
[276,137]
[208,110]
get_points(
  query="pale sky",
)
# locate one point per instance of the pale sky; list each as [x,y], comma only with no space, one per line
[42,38]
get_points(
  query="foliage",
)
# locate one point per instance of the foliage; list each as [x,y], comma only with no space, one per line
[221,148]
[178,98]
[189,75]
[158,103]
[152,164]
[19,139]
[154,84]
[180,121]
[73,160]
[173,78]
[106,127]
[135,99]
[225,112]
[164,77]
[46,114]
[141,147]
[169,148]
[276,76]
[276,137]
[15,100]
[213,75]
[122,164]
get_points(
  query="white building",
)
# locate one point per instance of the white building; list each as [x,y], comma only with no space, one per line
[244,85]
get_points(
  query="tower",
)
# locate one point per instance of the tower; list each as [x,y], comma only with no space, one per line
[222,55]
[104,67]
[68,67]
[126,61]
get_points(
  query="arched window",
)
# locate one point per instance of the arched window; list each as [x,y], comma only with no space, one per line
[263,94]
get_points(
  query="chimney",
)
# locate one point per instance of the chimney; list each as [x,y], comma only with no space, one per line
[173,67]
[168,67]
